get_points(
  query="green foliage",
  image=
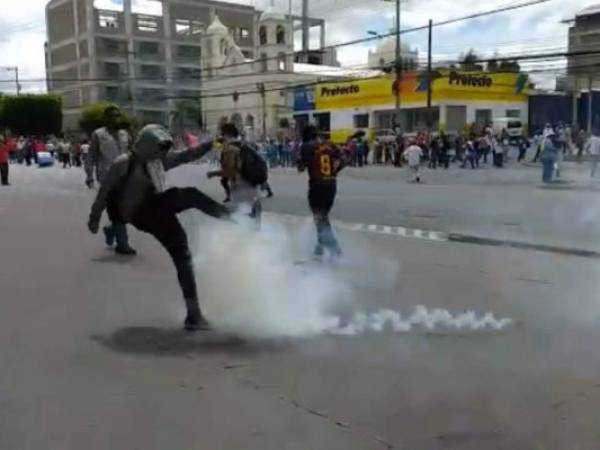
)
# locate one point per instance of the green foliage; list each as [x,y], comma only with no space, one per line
[469,61]
[92,118]
[31,114]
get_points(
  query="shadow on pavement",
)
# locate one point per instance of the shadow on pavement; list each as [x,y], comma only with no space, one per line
[114,258]
[176,342]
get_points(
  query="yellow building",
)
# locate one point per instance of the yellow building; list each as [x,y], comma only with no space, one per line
[459,98]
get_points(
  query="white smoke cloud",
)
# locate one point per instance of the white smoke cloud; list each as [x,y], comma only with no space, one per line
[251,285]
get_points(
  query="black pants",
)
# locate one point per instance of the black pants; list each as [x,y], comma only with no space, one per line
[4,173]
[225,184]
[320,200]
[157,216]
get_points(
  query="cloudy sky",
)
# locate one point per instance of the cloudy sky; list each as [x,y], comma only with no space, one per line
[528,30]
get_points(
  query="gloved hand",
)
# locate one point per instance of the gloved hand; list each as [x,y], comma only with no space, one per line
[93,225]
[89,183]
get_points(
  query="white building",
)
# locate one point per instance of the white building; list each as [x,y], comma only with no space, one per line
[384,55]
[255,93]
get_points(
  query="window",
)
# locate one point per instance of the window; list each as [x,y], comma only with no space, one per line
[244,33]
[188,52]
[150,71]
[250,120]
[263,62]
[223,47]
[281,63]
[148,48]
[262,35]
[361,121]
[113,46]
[247,54]
[513,113]
[280,34]
[187,27]
[112,69]
[107,19]
[147,24]
[187,74]
[112,93]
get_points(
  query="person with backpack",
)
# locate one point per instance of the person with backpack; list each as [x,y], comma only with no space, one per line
[245,170]
[133,191]
[323,162]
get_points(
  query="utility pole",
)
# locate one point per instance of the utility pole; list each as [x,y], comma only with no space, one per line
[397,121]
[15,69]
[305,31]
[261,89]
[429,81]
[589,106]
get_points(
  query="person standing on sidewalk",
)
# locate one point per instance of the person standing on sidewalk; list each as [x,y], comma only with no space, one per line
[4,156]
[549,154]
[592,147]
[105,146]
[413,155]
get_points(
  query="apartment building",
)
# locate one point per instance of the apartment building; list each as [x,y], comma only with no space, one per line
[139,54]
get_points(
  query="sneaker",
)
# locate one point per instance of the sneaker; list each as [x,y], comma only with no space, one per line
[196,322]
[126,251]
[109,236]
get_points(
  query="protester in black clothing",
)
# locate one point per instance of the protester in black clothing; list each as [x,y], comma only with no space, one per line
[434,153]
[323,162]
[134,191]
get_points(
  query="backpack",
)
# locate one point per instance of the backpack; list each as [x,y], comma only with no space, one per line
[253,168]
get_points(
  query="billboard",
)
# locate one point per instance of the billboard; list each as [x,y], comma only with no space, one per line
[447,85]
[304,98]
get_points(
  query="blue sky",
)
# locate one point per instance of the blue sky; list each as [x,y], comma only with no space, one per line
[529,30]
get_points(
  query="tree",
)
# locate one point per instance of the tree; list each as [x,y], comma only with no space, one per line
[92,118]
[187,116]
[510,66]
[31,114]
[469,60]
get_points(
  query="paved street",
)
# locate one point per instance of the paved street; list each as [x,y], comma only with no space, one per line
[92,355]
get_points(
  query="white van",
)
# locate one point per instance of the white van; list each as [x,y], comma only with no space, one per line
[513,126]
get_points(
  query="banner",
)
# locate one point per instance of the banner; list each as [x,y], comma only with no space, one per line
[447,85]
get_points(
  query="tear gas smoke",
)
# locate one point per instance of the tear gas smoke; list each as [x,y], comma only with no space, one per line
[249,284]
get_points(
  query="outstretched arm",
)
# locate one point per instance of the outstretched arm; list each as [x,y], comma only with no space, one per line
[177,158]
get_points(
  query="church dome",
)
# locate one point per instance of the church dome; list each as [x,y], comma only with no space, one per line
[217,27]
[272,14]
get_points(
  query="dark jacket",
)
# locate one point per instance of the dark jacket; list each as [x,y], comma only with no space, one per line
[128,175]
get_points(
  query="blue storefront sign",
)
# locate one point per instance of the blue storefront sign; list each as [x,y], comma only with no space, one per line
[304,98]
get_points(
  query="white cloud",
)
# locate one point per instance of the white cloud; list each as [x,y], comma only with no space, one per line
[529,29]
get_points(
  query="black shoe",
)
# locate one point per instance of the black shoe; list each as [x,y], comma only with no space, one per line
[126,251]
[227,200]
[196,322]
[270,194]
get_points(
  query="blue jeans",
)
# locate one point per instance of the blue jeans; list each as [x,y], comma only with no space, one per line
[547,170]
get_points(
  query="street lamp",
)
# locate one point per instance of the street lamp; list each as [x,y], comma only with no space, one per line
[14,69]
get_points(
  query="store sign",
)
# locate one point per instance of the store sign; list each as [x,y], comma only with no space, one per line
[447,85]
[469,79]
[304,98]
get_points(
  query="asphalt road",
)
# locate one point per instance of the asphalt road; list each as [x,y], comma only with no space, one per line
[92,355]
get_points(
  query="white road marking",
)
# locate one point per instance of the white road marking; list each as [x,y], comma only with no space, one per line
[411,233]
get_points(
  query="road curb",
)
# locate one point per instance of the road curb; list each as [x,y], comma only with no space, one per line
[466,239]
[440,236]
